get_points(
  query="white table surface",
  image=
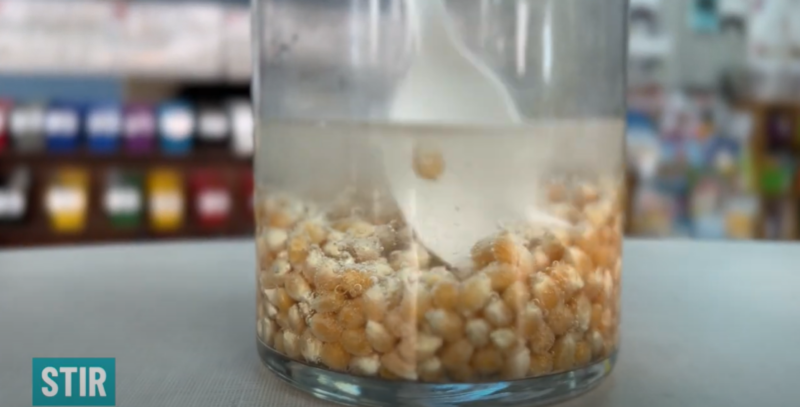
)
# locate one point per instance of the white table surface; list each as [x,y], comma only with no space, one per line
[704,325]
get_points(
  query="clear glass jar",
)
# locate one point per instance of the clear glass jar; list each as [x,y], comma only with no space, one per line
[439,261]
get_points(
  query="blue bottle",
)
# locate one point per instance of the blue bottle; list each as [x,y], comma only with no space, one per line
[176,127]
[103,127]
[62,127]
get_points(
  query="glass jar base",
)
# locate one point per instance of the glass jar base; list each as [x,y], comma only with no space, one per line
[372,392]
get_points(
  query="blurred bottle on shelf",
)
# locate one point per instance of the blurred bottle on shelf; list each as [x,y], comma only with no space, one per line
[166,201]
[67,200]
[176,126]
[213,126]
[15,190]
[62,127]
[103,122]
[123,199]
[139,129]
[241,117]
[27,127]
[212,200]
[5,118]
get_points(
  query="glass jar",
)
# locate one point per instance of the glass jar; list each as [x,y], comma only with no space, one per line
[439,259]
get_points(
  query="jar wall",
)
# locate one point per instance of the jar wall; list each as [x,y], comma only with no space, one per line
[346,281]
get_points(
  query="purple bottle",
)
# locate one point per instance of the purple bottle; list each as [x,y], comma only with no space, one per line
[139,129]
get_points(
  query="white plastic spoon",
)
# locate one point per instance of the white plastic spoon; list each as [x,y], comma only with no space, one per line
[479,187]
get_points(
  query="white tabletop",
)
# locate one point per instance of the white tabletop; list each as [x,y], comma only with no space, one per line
[704,325]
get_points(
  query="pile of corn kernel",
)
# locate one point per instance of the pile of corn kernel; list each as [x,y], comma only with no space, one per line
[361,296]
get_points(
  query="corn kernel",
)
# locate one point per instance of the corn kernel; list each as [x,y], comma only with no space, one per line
[498,313]
[457,354]
[297,287]
[475,293]
[275,239]
[582,309]
[502,275]
[374,303]
[291,344]
[310,347]
[577,258]
[596,343]
[387,237]
[280,299]
[487,361]
[277,344]
[266,328]
[355,282]
[445,295]
[422,255]
[325,303]
[297,321]
[545,291]
[504,339]
[334,356]
[276,274]
[280,219]
[506,249]
[428,162]
[298,249]
[351,316]
[477,332]
[325,327]
[364,249]
[354,341]
[541,364]
[272,312]
[402,320]
[445,324]
[594,283]
[541,261]
[430,370]
[564,353]
[365,365]
[483,252]
[598,214]
[529,320]
[587,194]
[567,278]
[379,338]
[517,364]
[360,228]
[516,296]
[542,340]
[395,364]
[424,301]
[596,320]
[583,354]
[327,280]
[561,319]
[426,346]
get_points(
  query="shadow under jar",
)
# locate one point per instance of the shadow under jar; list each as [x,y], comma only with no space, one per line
[356,301]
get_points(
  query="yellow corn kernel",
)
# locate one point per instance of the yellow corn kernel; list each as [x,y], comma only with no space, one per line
[360,228]
[327,281]
[310,347]
[334,356]
[314,262]
[477,332]
[426,346]
[541,261]
[280,299]
[355,282]
[582,309]
[280,219]
[487,361]
[596,320]
[564,353]
[529,320]
[517,364]
[407,349]
[567,278]
[483,252]
[560,319]
[502,275]
[325,327]
[379,338]
[387,237]
[541,364]
[577,258]
[430,370]
[297,287]
[374,303]
[445,324]
[365,365]
[364,249]
[330,302]
[594,283]
[498,314]
[298,246]
[504,339]
[599,214]
[297,322]
[422,255]
[354,341]
[401,368]
[266,328]
[475,293]
[583,354]
[457,354]
[596,343]
[546,292]
[428,163]
[424,301]
[506,249]
[275,239]
[445,295]
[291,344]
[587,194]
[604,256]
[565,237]
[402,320]
[351,316]
[542,340]
[277,344]
[516,296]
[276,274]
